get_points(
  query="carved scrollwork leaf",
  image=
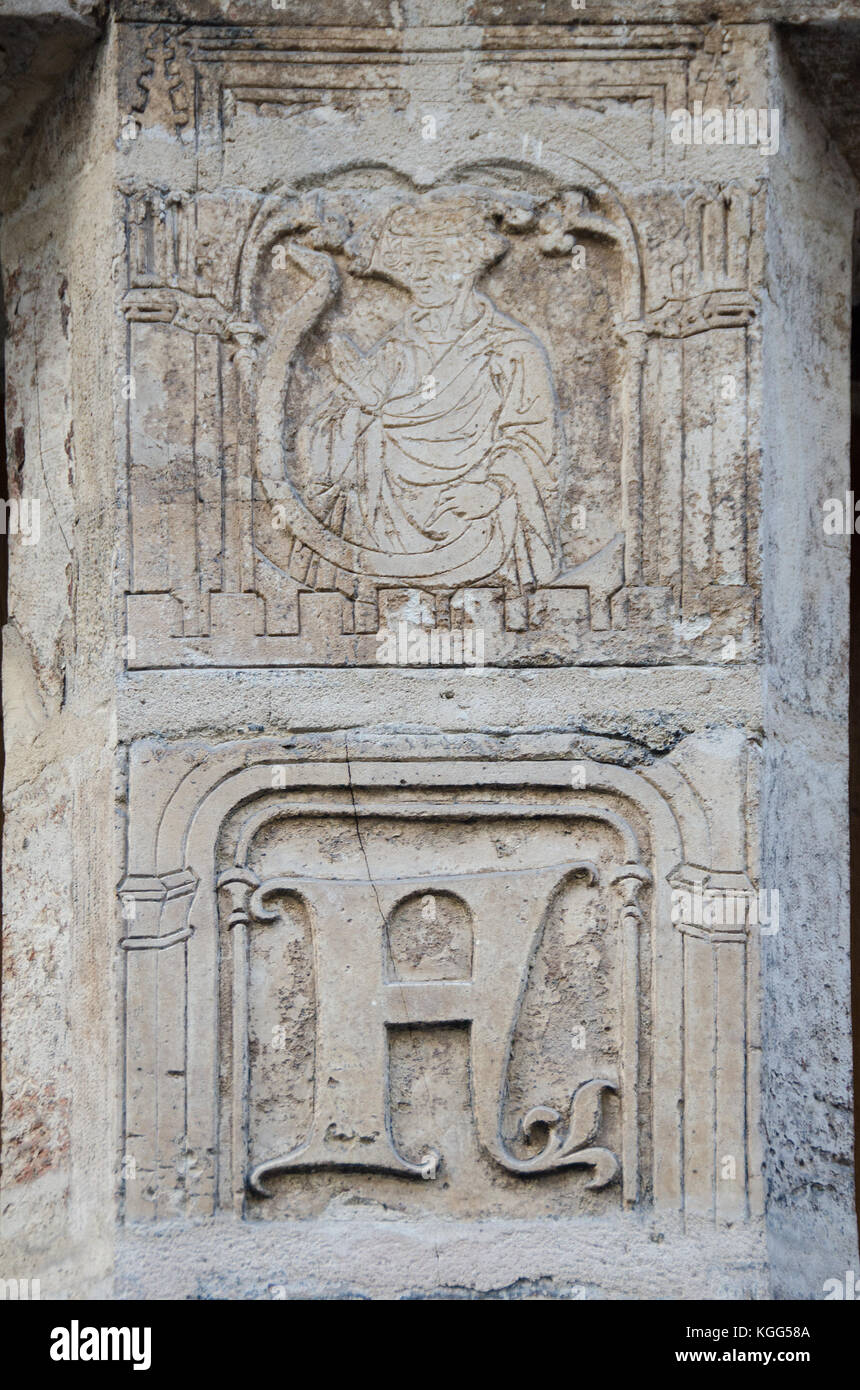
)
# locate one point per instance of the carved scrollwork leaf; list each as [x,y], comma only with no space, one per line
[560,1150]
[586,1112]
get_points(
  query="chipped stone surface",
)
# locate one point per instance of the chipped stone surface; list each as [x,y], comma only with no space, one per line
[809,1169]
[379,13]
[40,42]
[435,1259]
[415,640]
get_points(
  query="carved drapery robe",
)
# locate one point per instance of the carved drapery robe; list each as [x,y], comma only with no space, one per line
[442,432]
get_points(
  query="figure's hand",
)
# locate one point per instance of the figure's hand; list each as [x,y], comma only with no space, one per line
[351,370]
[506,468]
[344,358]
[467,502]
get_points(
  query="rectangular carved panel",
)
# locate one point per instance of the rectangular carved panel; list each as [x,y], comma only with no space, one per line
[495,388]
[442,986]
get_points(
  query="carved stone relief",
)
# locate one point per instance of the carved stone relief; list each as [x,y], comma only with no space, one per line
[452,987]
[477,397]
[472,397]
[345,339]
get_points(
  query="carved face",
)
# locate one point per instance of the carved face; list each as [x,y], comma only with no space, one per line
[434,250]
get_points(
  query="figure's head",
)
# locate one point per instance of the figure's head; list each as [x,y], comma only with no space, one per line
[435,246]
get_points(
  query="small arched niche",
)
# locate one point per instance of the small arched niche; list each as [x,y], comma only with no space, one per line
[429,937]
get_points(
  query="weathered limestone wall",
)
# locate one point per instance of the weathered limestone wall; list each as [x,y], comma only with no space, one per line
[390,977]
[40,42]
[806,311]
[57,248]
